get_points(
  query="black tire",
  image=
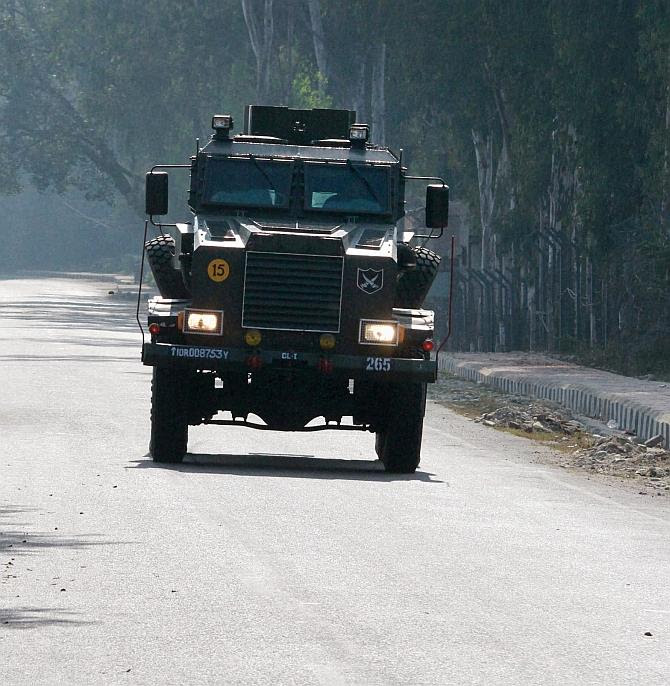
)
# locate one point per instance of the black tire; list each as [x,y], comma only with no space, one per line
[169,424]
[169,281]
[413,284]
[398,443]
[379,443]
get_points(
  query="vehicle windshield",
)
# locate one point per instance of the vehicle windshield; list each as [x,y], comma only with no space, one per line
[247,182]
[346,187]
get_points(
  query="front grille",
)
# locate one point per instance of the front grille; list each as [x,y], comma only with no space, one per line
[292,292]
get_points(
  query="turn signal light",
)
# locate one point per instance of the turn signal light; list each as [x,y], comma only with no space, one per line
[252,338]
[427,345]
[327,341]
[254,361]
[325,366]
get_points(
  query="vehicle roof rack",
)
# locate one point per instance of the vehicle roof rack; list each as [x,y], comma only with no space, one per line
[332,143]
[298,127]
[243,138]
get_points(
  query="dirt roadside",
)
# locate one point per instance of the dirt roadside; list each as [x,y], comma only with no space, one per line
[579,443]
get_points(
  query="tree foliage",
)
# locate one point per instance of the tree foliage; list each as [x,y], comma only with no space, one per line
[551,122]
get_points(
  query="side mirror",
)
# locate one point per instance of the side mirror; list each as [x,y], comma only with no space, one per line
[437,206]
[156,196]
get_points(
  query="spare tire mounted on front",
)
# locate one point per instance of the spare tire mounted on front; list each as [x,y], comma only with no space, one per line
[169,280]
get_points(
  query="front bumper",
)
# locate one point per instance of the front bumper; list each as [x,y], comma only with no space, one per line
[234,359]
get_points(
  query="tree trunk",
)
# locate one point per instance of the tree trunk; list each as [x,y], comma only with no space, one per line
[540,291]
[484,159]
[532,318]
[358,94]
[551,298]
[577,267]
[259,20]
[665,190]
[593,333]
[290,27]
[318,38]
[378,97]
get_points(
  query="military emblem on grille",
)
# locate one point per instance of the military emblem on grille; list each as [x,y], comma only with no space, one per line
[370,280]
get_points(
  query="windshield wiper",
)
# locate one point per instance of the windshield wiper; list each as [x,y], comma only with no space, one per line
[267,177]
[367,184]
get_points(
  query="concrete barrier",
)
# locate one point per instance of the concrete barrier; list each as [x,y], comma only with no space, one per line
[634,404]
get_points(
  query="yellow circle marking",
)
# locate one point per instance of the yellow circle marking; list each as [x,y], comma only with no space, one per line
[218,270]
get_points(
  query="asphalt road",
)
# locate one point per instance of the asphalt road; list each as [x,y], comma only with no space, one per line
[292,559]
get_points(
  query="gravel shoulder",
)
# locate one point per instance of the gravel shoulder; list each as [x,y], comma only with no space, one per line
[577,443]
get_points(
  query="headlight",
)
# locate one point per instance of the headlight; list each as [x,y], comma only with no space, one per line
[375,332]
[204,321]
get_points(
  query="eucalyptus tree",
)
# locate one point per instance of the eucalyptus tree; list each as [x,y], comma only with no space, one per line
[88,88]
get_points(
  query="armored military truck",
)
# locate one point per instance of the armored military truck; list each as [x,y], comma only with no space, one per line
[293,299]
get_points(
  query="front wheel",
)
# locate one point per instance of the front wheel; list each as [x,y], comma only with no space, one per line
[169,423]
[398,443]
